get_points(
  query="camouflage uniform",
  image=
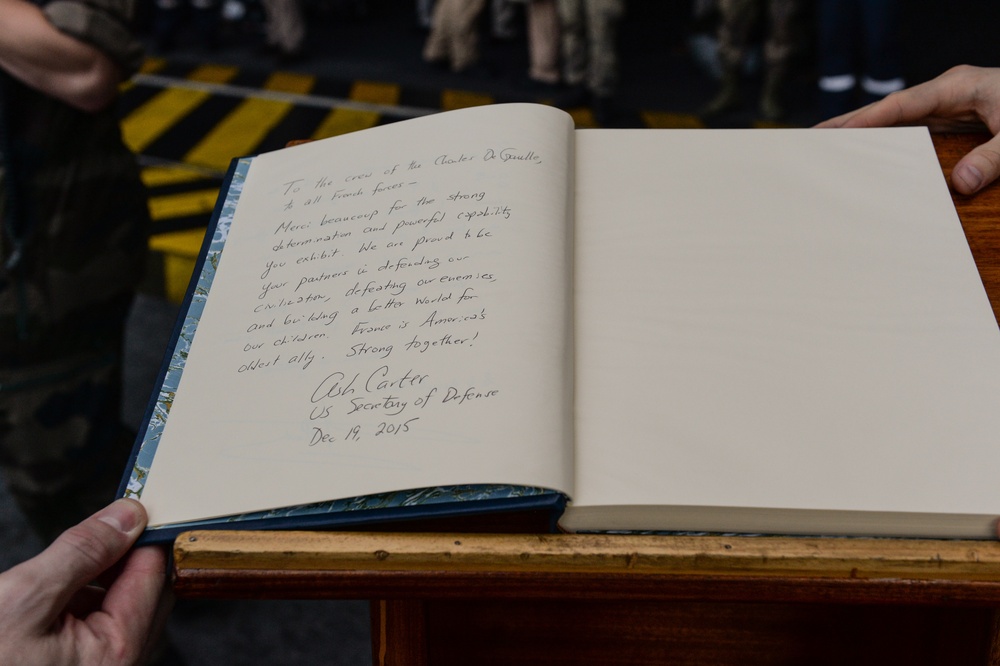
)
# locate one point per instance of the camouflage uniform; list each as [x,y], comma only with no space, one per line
[739,19]
[75,224]
[589,30]
[454,35]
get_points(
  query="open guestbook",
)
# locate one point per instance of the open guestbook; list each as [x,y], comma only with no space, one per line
[777,331]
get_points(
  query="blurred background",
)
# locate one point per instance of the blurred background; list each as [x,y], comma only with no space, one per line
[213,88]
[208,94]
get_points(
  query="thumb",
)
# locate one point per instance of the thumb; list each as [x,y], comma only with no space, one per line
[80,554]
[977,169]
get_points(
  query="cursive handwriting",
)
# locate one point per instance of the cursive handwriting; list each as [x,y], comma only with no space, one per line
[378,269]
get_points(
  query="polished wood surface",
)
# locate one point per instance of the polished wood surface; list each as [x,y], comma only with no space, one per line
[587,566]
[460,598]
[980,214]
[628,555]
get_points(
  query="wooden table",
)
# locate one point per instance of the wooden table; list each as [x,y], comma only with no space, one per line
[461,598]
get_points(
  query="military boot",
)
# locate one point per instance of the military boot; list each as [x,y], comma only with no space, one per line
[771,105]
[728,97]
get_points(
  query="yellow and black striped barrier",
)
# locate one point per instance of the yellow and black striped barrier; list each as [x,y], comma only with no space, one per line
[186,124]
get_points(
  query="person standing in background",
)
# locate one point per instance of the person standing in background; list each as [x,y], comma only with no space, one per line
[453,41]
[738,20]
[589,35]
[542,22]
[72,247]
[857,37]
[284,29]
[505,20]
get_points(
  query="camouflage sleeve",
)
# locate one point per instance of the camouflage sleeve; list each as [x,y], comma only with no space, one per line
[104,24]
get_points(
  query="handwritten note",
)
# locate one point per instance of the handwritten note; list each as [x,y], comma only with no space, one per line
[392,300]
[381,265]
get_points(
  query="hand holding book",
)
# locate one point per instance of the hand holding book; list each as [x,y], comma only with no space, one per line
[960,96]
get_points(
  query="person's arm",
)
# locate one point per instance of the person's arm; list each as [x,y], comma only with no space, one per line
[41,56]
[50,613]
[960,96]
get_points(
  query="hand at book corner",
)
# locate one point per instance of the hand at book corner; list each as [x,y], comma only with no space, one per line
[53,612]
[962,96]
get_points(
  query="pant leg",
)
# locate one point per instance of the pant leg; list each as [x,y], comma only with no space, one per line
[465,35]
[883,67]
[454,37]
[543,40]
[779,46]
[836,29]
[603,18]
[436,45]
[286,26]
[573,41]
[63,448]
[836,34]
[738,19]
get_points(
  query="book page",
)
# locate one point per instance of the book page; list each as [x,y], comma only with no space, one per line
[780,318]
[390,311]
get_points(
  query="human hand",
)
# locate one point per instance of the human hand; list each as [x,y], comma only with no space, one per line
[961,96]
[40,55]
[51,613]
